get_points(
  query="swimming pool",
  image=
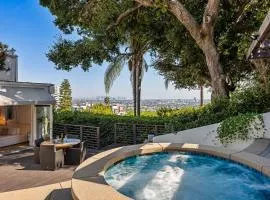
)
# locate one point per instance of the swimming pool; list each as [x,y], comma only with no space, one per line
[186,176]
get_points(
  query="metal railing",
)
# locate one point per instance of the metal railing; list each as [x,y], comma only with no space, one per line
[135,133]
[89,134]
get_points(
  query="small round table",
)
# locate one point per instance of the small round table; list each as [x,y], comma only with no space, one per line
[67,143]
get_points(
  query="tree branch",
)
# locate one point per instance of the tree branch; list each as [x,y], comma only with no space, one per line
[146,3]
[123,15]
[210,15]
[182,14]
[243,10]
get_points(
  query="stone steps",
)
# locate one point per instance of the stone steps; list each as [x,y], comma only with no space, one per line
[260,147]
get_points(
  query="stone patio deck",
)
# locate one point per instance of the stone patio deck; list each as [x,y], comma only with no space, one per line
[18,171]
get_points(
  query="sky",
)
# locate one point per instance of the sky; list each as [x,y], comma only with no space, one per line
[29,29]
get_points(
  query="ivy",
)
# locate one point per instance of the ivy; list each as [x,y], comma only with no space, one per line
[239,128]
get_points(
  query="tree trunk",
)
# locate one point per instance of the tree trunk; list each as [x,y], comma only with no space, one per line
[138,88]
[134,88]
[218,81]
[201,96]
[140,74]
[203,34]
[137,69]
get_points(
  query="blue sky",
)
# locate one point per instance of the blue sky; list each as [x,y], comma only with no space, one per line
[29,28]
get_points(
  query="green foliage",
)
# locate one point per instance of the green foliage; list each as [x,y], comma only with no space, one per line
[113,72]
[105,122]
[65,103]
[143,113]
[3,55]
[236,22]
[250,100]
[103,37]
[100,109]
[238,127]
[168,112]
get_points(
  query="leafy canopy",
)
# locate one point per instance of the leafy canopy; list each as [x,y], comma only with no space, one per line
[102,35]
[237,20]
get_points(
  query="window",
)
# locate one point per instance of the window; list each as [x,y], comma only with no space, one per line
[9,113]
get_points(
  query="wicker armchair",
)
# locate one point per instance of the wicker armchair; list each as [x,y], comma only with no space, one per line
[37,149]
[75,156]
[50,158]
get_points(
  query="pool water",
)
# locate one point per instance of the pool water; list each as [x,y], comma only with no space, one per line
[181,176]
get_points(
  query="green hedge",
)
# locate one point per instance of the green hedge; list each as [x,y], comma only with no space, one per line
[250,100]
[105,122]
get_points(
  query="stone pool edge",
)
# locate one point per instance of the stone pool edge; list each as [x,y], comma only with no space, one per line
[88,180]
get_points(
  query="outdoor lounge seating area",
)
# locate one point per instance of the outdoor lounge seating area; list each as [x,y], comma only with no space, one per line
[54,154]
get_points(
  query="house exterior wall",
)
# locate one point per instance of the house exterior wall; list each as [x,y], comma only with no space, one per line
[17,129]
[22,97]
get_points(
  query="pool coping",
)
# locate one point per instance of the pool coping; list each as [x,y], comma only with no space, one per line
[88,180]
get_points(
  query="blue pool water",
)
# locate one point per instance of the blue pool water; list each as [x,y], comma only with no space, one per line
[181,176]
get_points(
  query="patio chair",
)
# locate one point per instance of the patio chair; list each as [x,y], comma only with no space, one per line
[50,158]
[75,156]
[37,149]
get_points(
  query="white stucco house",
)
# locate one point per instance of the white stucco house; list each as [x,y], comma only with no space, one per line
[25,108]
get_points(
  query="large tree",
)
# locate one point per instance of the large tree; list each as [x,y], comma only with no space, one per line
[65,103]
[106,34]
[184,64]
[220,30]
[216,26]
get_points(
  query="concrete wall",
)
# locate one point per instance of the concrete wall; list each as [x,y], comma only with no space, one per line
[266,119]
[207,135]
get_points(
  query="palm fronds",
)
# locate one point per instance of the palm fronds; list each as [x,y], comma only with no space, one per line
[113,72]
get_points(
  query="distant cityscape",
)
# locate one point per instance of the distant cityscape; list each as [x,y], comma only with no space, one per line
[121,105]
[146,104]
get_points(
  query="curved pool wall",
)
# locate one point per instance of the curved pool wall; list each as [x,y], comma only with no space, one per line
[88,180]
[179,175]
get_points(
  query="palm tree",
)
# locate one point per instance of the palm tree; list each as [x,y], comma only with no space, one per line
[137,66]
